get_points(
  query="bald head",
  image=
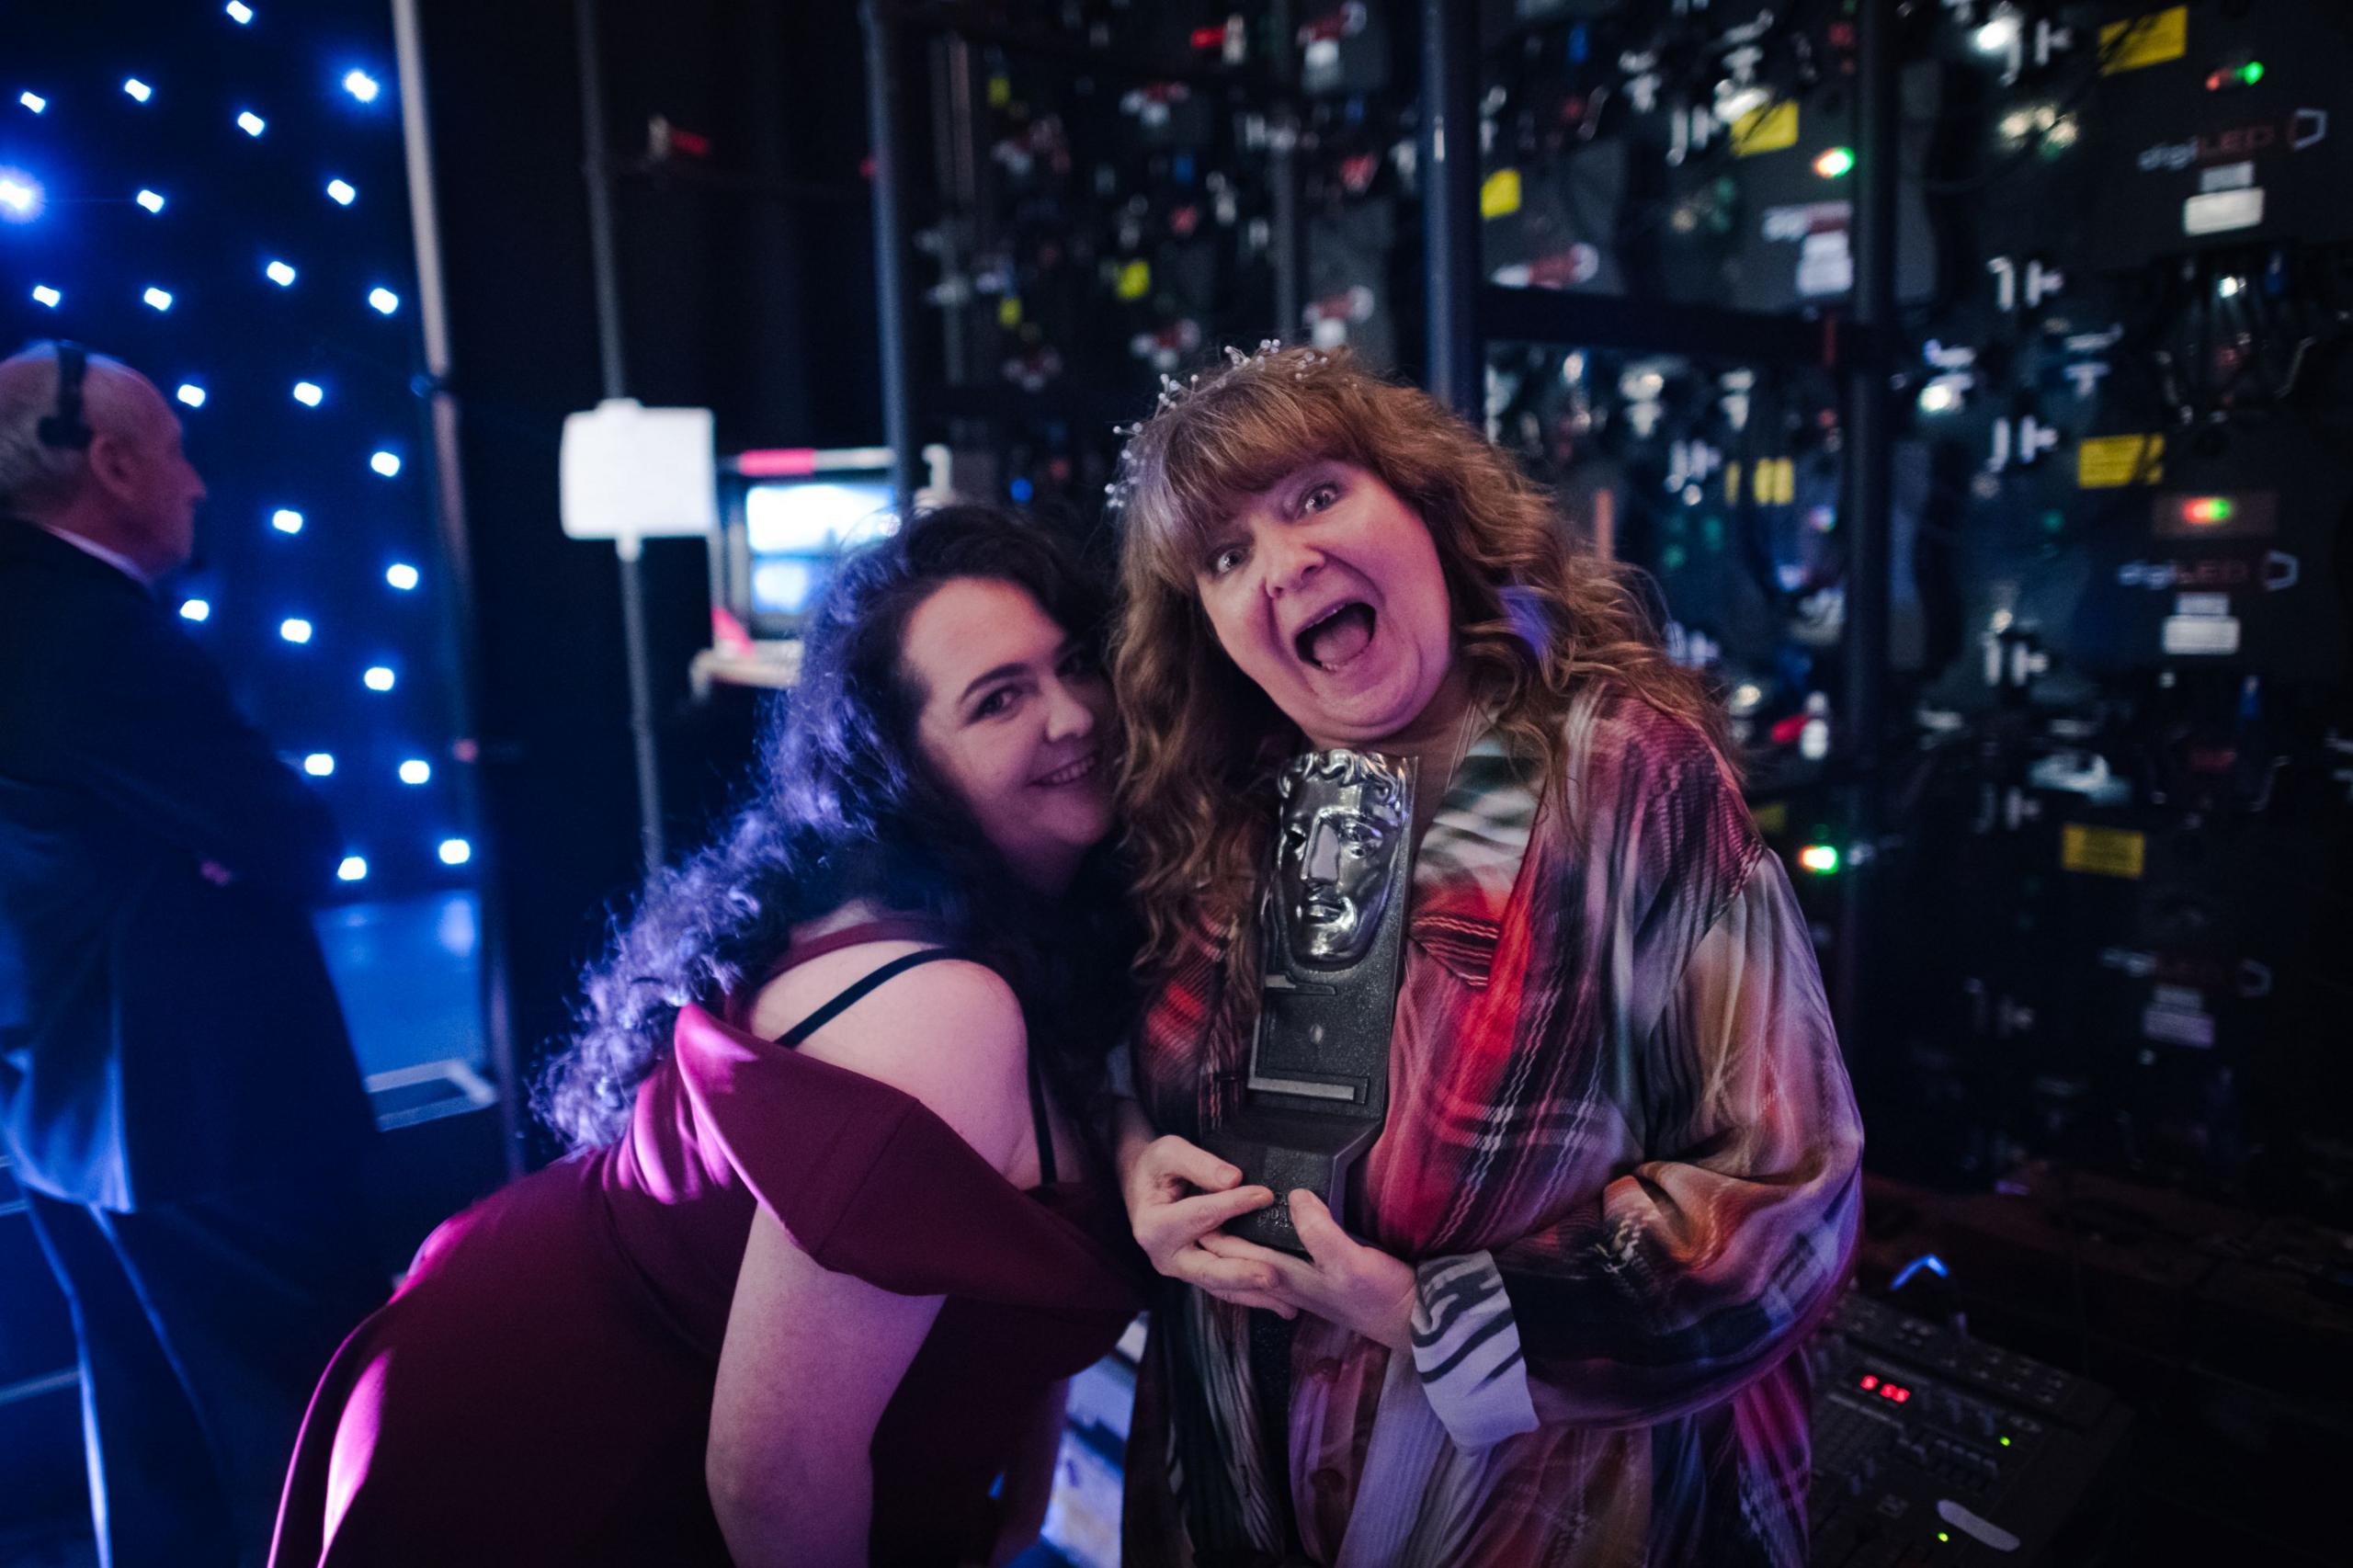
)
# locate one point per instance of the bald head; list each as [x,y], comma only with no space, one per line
[133,491]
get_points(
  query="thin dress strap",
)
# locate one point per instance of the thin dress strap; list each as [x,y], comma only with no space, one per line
[1040,1128]
[857,989]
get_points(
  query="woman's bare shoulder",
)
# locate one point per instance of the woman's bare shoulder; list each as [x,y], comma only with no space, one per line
[949,1032]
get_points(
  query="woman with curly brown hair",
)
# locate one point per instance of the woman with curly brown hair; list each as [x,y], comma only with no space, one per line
[1617,1179]
[836,1229]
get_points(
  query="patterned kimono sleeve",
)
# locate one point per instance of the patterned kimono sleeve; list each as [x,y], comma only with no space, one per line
[1698,1269]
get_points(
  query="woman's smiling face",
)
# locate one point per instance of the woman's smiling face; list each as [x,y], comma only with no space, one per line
[1325,590]
[1016,719]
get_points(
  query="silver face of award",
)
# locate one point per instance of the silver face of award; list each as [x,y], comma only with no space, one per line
[1336,867]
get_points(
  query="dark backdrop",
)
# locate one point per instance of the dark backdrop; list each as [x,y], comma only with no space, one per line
[746,287]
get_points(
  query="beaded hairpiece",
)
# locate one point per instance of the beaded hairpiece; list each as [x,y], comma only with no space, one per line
[1174,392]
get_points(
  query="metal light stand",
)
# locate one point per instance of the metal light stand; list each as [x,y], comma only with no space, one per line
[457,557]
[597,167]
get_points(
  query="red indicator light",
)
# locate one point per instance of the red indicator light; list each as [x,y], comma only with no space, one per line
[2207,509]
[1869,1382]
[1903,1394]
[770,462]
[1208,38]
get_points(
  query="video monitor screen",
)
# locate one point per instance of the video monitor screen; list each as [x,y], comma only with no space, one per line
[797,529]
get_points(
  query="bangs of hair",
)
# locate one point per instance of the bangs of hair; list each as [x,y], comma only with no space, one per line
[1200,462]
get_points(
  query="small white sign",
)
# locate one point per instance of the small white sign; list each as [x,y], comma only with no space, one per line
[2219,211]
[629,471]
[2227,176]
[2175,1027]
[2188,635]
[1825,264]
[2201,604]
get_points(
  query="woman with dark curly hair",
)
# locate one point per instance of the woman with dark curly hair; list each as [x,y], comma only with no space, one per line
[834,1233]
[1618,1176]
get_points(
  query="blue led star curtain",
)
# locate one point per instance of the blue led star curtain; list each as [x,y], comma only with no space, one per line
[216,194]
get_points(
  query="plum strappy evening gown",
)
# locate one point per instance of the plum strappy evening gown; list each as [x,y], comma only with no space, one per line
[539,1392]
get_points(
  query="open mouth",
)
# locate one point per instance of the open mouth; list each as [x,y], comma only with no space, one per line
[1336,638]
[1071,773]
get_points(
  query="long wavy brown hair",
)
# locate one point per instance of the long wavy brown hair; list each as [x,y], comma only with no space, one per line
[1537,614]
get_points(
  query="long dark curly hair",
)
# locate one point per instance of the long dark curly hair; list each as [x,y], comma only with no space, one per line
[844,806]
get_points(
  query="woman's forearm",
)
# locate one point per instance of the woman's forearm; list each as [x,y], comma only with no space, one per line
[811,1521]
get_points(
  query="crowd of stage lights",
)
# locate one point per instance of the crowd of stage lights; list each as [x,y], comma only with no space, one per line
[25,197]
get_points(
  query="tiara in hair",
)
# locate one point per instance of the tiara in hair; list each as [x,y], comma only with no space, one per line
[1174,392]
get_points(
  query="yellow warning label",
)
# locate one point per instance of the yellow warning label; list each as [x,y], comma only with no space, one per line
[1000,91]
[2151,39]
[1732,484]
[1008,311]
[1135,279]
[2102,851]
[1499,194]
[1766,129]
[1776,481]
[2104,462]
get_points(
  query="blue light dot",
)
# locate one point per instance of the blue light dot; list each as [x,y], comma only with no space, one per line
[456,852]
[190,395]
[158,299]
[352,870]
[251,123]
[151,200]
[195,610]
[242,14]
[340,193]
[401,575]
[33,102]
[45,295]
[286,520]
[19,193]
[138,89]
[318,764]
[294,630]
[384,300]
[279,272]
[360,86]
[378,678]
[386,463]
[308,394]
[416,770]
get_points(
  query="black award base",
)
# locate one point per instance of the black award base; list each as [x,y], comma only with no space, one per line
[1286,1150]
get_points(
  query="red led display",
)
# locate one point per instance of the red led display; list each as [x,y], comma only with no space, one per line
[1869,1382]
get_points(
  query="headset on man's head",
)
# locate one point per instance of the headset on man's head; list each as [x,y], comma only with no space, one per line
[66,427]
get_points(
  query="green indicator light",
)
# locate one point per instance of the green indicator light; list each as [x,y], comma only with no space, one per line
[2251,72]
[2006,1442]
[1820,859]
[1834,163]
[1943,1535]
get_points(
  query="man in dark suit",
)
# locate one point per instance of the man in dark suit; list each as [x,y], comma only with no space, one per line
[176,1088]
